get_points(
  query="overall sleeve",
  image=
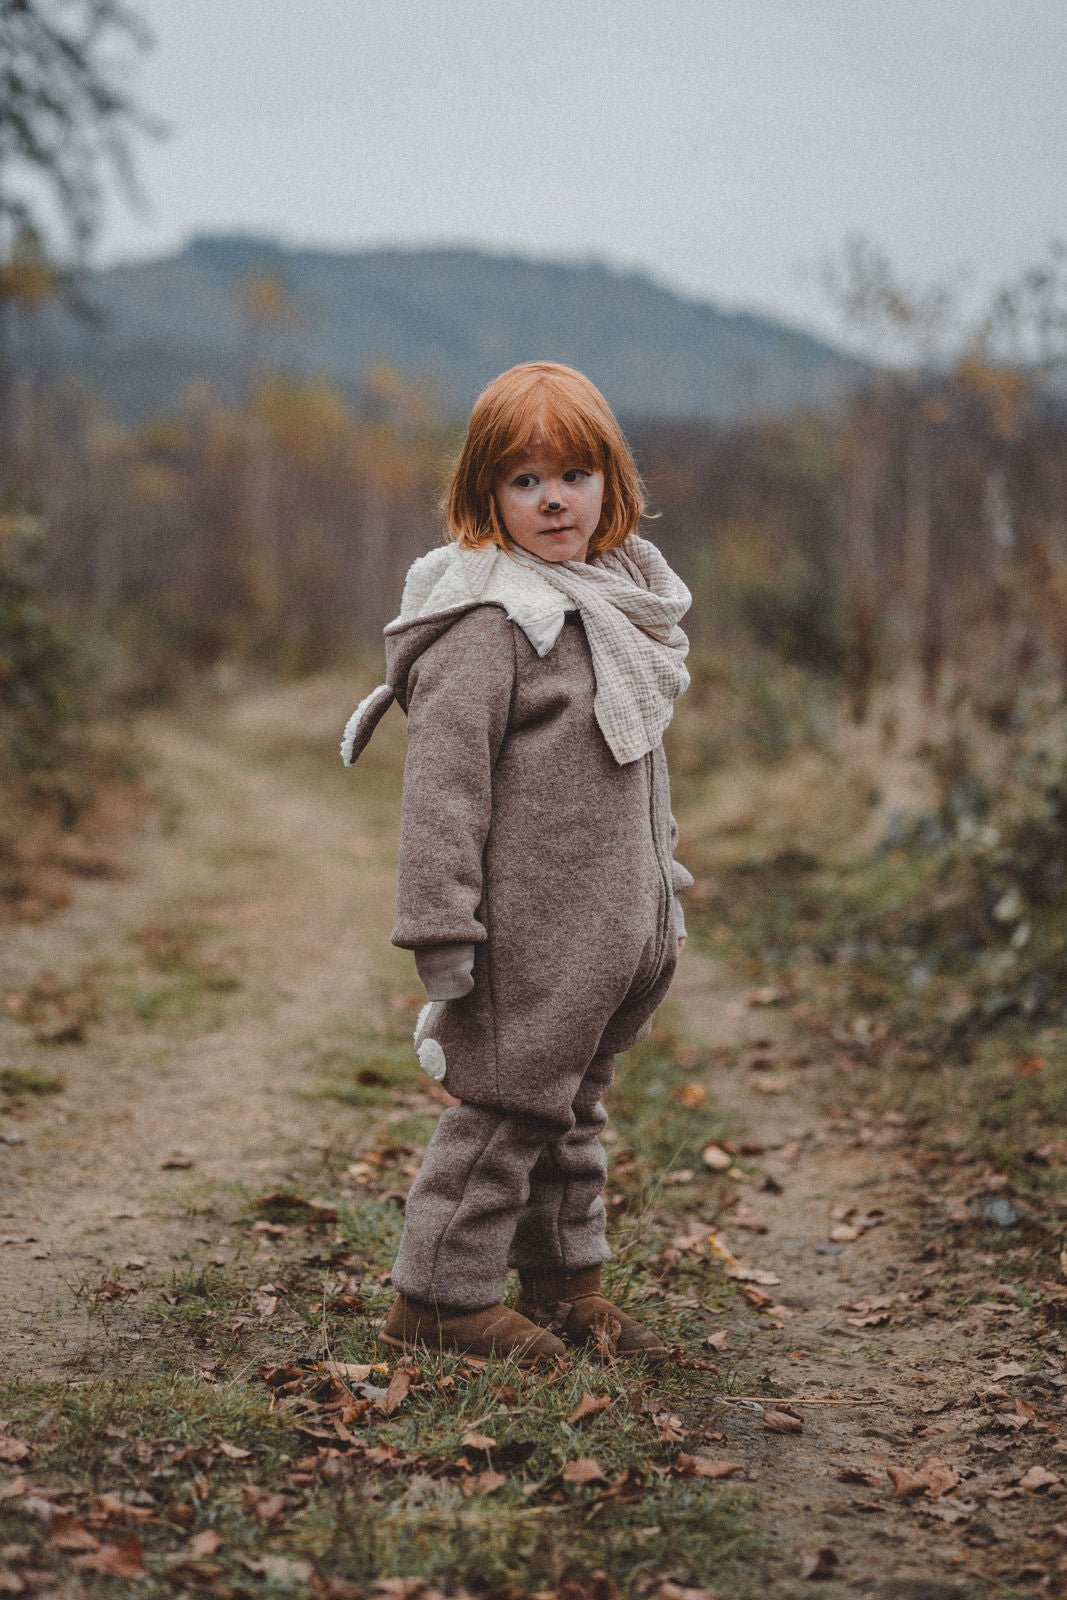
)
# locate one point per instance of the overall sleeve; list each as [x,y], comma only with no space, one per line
[458,702]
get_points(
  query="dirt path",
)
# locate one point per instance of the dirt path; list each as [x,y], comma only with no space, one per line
[240,870]
[873,1307]
[247,869]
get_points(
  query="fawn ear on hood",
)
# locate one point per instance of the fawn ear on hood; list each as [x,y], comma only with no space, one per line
[440,587]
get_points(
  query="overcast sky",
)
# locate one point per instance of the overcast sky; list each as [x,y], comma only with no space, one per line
[727,146]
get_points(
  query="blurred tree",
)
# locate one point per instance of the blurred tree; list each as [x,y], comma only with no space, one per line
[65,120]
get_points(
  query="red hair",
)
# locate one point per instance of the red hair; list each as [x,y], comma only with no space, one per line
[559,410]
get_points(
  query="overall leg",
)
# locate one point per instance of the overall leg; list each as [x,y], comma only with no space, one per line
[561,1228]
[464,1206]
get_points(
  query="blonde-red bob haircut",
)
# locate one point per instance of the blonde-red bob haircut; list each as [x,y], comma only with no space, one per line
[541,405]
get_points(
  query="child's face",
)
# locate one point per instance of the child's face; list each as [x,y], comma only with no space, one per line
[549,506]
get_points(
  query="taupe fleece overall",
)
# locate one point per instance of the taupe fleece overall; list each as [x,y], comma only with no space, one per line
[521,833]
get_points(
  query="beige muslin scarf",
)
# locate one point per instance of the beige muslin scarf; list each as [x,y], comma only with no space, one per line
[631,603]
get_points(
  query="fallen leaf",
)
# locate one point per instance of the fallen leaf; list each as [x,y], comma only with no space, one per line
[204,1543]
[67,1533]
[783,1422]
[940,1478]
[669,1429]
[1008,1369]
[232,1452]
[758,1297]
[715,1157]
[905,1482]
[1037,1478]
[721,1251]
[351,1371]
[705,1466]
[478,1441]
[14,1449]
[693,1095]
[397,1392]
[486,1482]
[667,1589]
[584,1469]
[265,1300]
[278,1569]
[717,1341]
[745,1274]
[588,1406]
[263,1504]
[125,1560]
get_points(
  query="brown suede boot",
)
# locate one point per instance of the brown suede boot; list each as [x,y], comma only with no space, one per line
[571,1304]
[495,1331]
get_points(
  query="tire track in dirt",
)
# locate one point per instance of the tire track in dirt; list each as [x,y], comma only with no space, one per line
[299,904]
[915,1370]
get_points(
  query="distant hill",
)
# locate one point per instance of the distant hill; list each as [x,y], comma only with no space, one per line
[455,316]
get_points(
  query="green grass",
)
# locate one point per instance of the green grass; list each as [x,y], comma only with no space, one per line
[19,1083]
[151,1425]
[175,982]
[177,1445]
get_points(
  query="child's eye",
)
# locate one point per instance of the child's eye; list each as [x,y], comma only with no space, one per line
[524,480]
[575,472]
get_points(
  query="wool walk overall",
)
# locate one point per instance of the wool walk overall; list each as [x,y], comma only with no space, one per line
[521,834]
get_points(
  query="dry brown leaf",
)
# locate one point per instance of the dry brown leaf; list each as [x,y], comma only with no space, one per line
[758,1297]
[667,1589]
[352,1371]
[263,1504]
[105,1506]
[478,1441]
[125,1560]
[397,1392]
[486,1482]
[265,1300]
[744,1274]
[1038,1478]
[717,1341]
[232,1452]
[705,1466]
[693,1095]
[783,1421]
[67,1533]
[715,1157]
[669,1429]
[905,1482]
[584,1469]
[940,1478]
[204,1544]
[1007,1369]
[14,1449]
[588,1406]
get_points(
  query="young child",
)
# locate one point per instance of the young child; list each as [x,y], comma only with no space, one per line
[537,655]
